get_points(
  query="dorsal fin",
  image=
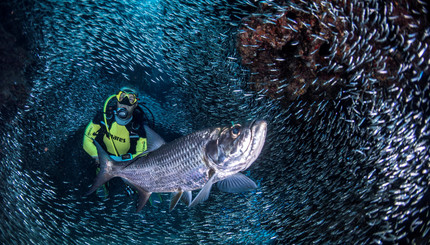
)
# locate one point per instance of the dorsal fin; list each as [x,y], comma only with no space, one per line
[154,140]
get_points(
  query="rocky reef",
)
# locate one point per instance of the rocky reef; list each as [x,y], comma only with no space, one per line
[315,49]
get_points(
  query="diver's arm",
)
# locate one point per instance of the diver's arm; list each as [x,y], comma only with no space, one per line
[89,136]
[141,146]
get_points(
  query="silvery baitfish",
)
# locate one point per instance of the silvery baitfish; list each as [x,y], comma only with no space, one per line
[196,161]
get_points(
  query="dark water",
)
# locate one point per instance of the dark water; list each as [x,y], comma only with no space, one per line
[346,169]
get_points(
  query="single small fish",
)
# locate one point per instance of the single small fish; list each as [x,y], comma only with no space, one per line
[195,161]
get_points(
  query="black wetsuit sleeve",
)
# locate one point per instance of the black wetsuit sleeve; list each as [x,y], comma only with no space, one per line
[139,124]
[98,118]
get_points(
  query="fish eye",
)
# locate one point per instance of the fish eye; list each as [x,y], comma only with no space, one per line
[235,130]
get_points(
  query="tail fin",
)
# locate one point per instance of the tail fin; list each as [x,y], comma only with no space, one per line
[105,174]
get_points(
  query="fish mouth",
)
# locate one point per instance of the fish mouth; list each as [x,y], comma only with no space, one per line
[258,130]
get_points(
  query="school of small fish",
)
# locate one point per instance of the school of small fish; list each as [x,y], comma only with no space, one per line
[343,85]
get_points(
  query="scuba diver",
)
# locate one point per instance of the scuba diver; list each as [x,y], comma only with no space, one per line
[119,129]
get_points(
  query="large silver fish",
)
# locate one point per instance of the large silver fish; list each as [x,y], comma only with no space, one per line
[195,161]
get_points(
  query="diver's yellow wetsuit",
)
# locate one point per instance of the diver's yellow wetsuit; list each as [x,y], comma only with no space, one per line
[130,138]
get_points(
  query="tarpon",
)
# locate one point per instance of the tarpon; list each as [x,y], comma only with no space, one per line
[192,162]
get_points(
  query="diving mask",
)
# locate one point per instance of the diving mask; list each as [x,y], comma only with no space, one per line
[131,98]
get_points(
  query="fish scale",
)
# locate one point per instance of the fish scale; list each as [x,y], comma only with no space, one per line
[184,170]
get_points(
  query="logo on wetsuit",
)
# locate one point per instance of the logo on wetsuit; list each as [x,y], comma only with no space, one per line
[114,137]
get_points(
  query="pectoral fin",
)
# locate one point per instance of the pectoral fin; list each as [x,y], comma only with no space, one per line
[236,183]
[204,192]
[175,199]
[186,198]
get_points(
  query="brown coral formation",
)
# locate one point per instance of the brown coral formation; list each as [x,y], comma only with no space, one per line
[282,52]
[314,50]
